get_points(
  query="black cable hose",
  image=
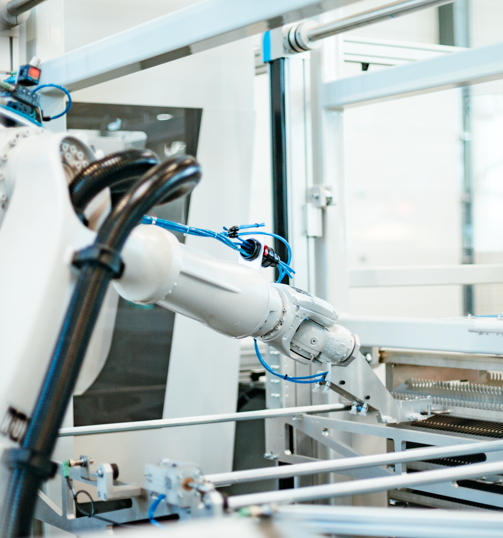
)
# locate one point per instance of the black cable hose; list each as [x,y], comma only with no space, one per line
[167,181]
[117,171]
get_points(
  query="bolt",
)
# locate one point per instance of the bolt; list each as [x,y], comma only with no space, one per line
[3,197]
[4,157]
[100,473]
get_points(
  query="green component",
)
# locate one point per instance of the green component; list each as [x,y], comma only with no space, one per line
[66,469]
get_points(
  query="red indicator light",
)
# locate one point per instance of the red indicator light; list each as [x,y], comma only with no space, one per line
[34,73]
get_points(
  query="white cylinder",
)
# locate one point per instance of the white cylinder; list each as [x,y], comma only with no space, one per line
[228,297]
[153,260]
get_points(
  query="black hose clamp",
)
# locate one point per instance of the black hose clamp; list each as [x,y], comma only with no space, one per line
[102,255]
[37,464]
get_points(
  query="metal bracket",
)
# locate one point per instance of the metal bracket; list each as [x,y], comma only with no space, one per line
[109,488]
[321,196]
[356,380]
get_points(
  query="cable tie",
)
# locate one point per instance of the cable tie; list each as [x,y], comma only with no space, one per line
[102,255]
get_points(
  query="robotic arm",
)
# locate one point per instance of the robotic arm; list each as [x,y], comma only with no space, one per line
[230,298]
[239,301]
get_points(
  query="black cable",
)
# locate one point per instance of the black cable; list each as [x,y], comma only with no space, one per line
[31,464]
[117,171]
[93,510]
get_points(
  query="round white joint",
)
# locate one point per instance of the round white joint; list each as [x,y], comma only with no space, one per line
[3,197]
[4,157]
[8,21]
[296,38]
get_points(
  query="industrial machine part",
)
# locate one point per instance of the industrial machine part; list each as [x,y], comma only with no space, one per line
[239,302]
[180,489]
[230,298]
[306,35]
[15,93]
[466,391]
[30,464]
[15,12]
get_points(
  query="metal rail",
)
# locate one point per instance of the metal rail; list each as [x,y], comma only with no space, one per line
[18,7]
[416,454]
[370,485]
[389,11]
[194,421]
[409,523]
[193,29]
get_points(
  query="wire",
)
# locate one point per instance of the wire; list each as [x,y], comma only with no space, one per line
[75,494]
[153,508]
[315,378]
[65,91]
[276,236]
[244,248]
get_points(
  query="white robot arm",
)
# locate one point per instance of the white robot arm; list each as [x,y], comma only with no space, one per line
[233,299]
[239,301]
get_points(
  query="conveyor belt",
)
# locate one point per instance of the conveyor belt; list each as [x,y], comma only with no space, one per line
[448,423]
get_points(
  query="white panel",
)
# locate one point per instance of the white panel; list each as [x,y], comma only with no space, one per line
[425,276]
[449,71]
[430,334]
[384,52]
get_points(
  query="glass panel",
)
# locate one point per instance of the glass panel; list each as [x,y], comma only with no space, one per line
[404,177]
[132,384]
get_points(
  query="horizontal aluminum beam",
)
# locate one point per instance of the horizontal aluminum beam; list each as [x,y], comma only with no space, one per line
[360,462]
[370,485]
[423,333]
[357,49]
[425,276]
[407,523]
[471,66]
[194,421]
[373,16]
[196,28]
